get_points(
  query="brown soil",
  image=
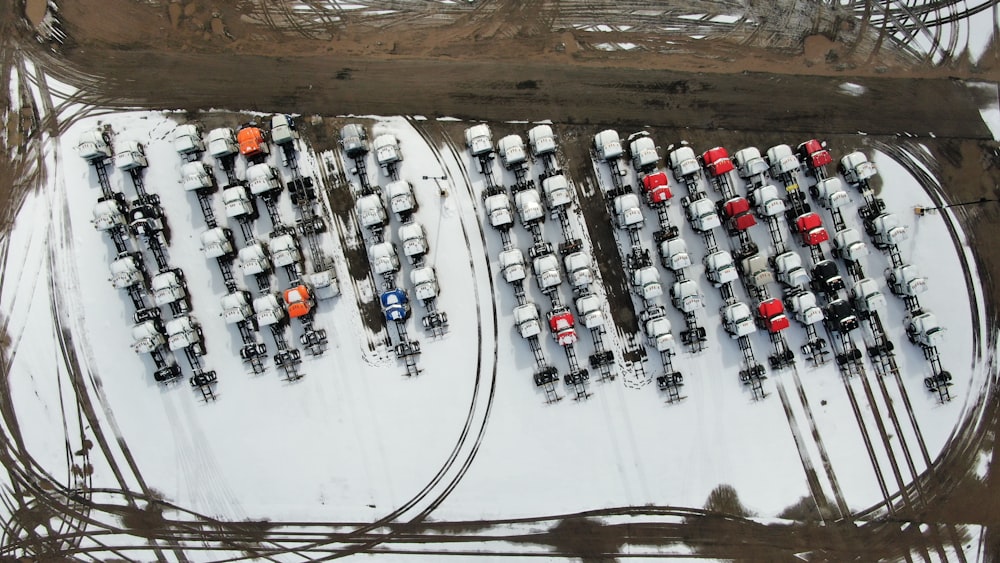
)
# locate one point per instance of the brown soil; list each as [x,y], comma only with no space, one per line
[507,60]
[35,11]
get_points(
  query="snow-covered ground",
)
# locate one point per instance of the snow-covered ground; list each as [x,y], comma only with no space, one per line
[355,440]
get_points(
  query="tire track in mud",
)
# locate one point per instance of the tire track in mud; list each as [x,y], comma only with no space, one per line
[355,253]
[661,525]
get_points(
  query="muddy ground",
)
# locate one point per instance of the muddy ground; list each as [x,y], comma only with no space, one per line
[503,60]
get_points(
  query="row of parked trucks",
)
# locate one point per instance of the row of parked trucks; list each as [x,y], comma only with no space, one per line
[549,265]
[257,258]
[769,202]
[127,222]
[371,210]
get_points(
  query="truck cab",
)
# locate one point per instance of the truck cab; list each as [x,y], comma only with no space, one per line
[130,155]
[383,259]
[886,230]
[749,163]
[168,287]
[371,211]
[251,141]
[299,301]
[414,240]
[720,268]
[830,192]
[810,227]
[608,145]
[906,281]
[563,326]
[222,142]
[268,310]
[657,188]
[184,332]
[826,277]
[262,178]
[803,304]
[771,315]
[425,284]
[703,215]
[628,214]
[217,242]
[479,139]
[686,296]
[643,151]
[512,265]
[542,140]
[401,199]
[387,150]
[237,202]
[814,154]
[529,206]
[148,336]
[93,145]
[395,305]
[717,162]
[283,129]
[737,214]
[254,259]
[737,319]
[546,267]
[324,284]
[646,281]
[767,201]
[354,140]
[848,245]
[683,162]
[527,321]
[756,270]
[284,250]
[557,193]
[196,175]
[866,296]
[782,160]
[236,307]
[590,311]
[499,211]
[187,139]
[856,168]
[109,214]
[126,271]
[674,254]
[923,329]
[790,270]
[578,269]
[511,150]
[658,330]
[840,316]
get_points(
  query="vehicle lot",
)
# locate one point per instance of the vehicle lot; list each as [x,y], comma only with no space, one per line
[352,396]
[469,466]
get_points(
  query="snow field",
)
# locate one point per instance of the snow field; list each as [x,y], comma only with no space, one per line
[353,440]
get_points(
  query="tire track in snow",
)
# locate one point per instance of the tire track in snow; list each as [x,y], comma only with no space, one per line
[812,477]
[838,493]
[357,540]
